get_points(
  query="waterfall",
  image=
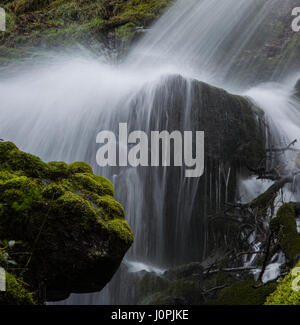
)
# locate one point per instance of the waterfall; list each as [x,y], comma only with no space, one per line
[208,38]
[55,111]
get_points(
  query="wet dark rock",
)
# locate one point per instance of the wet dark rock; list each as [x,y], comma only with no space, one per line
[234,141]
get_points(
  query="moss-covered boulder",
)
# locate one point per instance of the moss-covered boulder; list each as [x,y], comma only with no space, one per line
[287,292]
[285,228]
[73,233]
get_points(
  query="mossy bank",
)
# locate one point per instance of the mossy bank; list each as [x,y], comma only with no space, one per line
[288,290]
[53,24]
[68,231]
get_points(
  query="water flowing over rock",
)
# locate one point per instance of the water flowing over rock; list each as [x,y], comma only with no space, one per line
[173,207]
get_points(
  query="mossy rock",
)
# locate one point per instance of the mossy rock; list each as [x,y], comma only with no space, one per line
[244,293]
[284,293]
[66,217]
[181,285]
[180,292]
[184,271]
[285,228]
[15,293]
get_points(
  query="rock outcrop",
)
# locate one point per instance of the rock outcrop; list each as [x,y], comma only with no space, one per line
[70,233]
[234,143]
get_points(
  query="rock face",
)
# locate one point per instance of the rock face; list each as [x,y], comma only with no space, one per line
[234,140]
[71,229]
[189,208]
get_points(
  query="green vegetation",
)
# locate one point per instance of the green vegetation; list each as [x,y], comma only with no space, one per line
[285,228]
[65,219]
[245,293]
[15,293]
[284,293]
[48,24]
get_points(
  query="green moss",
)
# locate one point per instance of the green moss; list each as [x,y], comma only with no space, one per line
[62,207]
[71,204]
[5,149]
[263,201]
[106,185]
[19,193]
[120,228]
[112,208]
[285,228]
[284,293]
[138,11]
[124,33]
[150,284]
[46,24]
[53,191]
[24,6]
[5,175]
[15,293]
[58,170]
[80,167]
[183,292]
[15,159]
[244,293]
[183,288]
[87,182]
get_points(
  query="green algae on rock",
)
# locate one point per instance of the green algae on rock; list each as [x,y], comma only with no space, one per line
[284,293]
[245,293]
[285,228]
[67,220]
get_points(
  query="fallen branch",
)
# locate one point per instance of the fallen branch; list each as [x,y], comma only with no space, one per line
[214,289]
[237,269]
[284,148]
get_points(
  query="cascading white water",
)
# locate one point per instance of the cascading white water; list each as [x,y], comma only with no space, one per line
[56,111]
[207,37]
